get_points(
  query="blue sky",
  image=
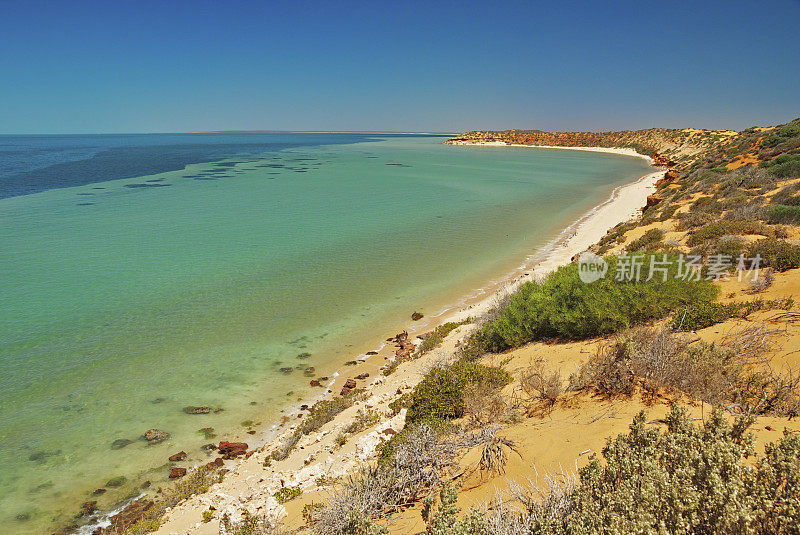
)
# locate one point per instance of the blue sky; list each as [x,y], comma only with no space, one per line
[171,66]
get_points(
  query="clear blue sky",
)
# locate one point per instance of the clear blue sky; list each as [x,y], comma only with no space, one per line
[172,65]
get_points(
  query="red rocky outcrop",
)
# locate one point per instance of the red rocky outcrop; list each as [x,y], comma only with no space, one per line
[177,472]
[181,455]
[231,450]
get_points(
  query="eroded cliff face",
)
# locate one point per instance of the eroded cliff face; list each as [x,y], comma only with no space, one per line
[669,146]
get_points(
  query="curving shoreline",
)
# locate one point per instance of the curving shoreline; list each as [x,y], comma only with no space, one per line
[238,491]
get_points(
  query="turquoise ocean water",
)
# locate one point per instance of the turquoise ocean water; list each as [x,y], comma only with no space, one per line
[142,274]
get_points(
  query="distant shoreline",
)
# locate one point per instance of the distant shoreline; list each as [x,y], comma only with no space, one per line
[609,150]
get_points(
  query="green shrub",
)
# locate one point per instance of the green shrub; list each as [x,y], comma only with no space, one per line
[701,314]
[687,480]
[731,246]
[707,204]
[287,494]
[321,413]
[718,229]
[363,419]
[782,135]
[690,220]
[440,395]
[777,254]
[667,212]
[647,241]
[562,306]
[782,213]
[439,334]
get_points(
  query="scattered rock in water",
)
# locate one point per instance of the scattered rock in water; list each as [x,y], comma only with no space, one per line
[145,485]
[251,432]
[417,316]
[99,491]
[181,455]
[146,185]
[208,448]
[315,382]
[158,400]
[372,352]
[154,436]
[218,410]
[41,455]
[351,363]
[389,431]
[120,443]
[303,355]
[362,376]
[177,472]
[207,432]
[197,410]
[308,372]
[38,488]
[304,407]
[231,450]
[116,482]
[286,370]
[23,517]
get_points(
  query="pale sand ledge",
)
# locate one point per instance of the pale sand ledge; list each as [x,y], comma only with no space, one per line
[625,151]
[249,485]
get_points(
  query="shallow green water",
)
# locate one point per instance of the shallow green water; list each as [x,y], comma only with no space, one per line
[117,314]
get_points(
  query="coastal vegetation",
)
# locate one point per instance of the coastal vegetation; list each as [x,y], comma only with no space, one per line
[562,306]
[321,413]
[687,479]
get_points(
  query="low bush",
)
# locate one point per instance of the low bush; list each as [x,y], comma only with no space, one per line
[702,314]
[778,254]
[562,306]
[650,240]
[717,229]
[729,245]
[249,524]
[540,385]
[411,466]
[321,413]
[690,220]
[734,372]
[287,494]
[440,395]
[439,334]
[707,204]
[667,212]
[687,480]
[782,213]
[364,419]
